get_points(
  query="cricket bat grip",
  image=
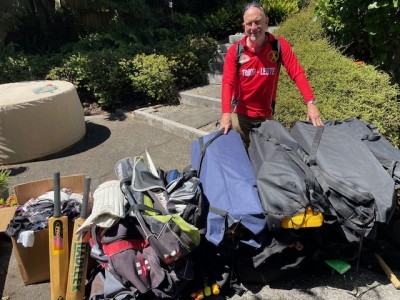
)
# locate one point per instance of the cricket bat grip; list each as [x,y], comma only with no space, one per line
[392,277]
[57,196]
[85,200]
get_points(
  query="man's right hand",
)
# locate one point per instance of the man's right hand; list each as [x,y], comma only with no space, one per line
[225,122]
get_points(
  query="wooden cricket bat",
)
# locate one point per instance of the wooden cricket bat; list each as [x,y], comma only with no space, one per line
[389,273]
[58,246]
[79,253]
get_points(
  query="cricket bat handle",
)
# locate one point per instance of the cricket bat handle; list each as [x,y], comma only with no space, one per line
[392,277]
[58,246]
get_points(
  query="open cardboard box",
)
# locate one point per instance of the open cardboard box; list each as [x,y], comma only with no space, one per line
[6,213]
[33,262]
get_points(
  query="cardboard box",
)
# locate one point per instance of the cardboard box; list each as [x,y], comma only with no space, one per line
[33,262]
[6,213]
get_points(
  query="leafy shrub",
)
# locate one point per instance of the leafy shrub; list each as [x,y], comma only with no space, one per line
[185,70]
[151,75]
[344,89]
[203,48]
[225,21]
[22,67]
[189,59]
[186,24]
[4,175]
[13,69]
[96,75]
[311,29]
[373,38]
[278,10]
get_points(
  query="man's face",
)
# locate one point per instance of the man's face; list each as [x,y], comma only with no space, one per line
[255,24]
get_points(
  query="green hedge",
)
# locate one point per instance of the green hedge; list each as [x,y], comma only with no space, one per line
[114,77]
[344,89]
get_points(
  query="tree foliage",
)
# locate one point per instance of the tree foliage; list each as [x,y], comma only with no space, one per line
[366,29]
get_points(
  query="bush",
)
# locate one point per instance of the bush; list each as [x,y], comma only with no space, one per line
[203,48]
[279,10]
[185,70]
[372,38]
[151,75]
[96,75]
[344,89]
[189,59]
[225,21]
[21,67]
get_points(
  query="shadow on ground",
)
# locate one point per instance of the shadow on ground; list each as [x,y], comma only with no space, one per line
[95,135]
[5,254]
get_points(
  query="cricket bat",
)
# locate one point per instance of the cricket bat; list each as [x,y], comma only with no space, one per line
[389,273]
[79,252]
[58,246]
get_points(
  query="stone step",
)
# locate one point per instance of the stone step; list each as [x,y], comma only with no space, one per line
[196,115]
[216,67]
[185,120]
[235,38]
[206,96]
[224,47]
[214,78]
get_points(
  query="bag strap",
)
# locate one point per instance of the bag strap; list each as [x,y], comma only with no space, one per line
[376,135]
[276,46]
[239,52]
[313,162]
[203,147]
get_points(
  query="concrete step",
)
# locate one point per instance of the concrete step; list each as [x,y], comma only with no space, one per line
[199,109]
[214,78]
[196,115]
[184,120]
[235,38]
[216,67]
[224,47]
[205,96]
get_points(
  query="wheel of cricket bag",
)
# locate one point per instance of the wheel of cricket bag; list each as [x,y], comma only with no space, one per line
[38,118]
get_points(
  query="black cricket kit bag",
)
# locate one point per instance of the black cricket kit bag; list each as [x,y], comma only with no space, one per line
[229,188]
[148,252]
[168,233]
[132,267]
[292,201]
[359,190]
[290,194]
[381,148]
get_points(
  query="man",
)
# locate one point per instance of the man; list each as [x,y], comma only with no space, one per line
[254,87]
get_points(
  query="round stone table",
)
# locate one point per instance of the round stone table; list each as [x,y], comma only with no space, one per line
[38,118]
